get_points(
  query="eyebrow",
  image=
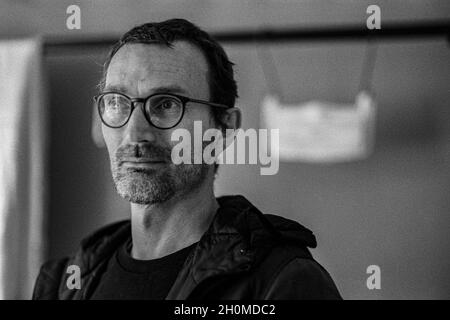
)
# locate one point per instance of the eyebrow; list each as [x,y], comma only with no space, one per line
[162,89]
[117,88]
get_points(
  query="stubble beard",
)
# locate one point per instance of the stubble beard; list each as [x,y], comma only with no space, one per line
[153,186]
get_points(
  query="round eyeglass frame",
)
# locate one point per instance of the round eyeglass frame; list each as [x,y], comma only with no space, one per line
[182,99]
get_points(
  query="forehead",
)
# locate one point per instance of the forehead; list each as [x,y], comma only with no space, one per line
[138,69]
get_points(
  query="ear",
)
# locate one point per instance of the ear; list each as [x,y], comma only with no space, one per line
[230,119]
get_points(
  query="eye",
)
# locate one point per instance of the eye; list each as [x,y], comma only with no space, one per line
[168,104]
[112,104]
[115,105]
[113,101]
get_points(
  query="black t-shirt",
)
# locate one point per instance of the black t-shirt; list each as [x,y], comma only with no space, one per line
[126,278]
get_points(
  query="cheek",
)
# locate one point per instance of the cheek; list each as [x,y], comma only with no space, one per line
[112,139]
[197,113]
[193,126]
[165,139]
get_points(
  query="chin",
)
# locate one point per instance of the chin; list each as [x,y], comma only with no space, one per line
[144,189]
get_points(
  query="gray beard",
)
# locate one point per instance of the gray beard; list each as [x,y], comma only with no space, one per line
[148,186]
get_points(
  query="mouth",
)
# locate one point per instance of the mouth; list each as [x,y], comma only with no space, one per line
[141,163]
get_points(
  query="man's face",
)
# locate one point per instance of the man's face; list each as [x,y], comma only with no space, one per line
[140,154]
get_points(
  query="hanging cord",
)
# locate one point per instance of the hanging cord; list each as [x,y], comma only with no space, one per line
[273,80]
[365,81]
[270,71]
[265,57]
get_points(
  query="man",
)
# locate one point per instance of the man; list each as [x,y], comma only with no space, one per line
[181,241]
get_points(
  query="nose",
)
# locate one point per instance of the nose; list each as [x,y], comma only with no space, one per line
[138,129]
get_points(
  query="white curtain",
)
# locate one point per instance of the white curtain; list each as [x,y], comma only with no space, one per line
[22,166]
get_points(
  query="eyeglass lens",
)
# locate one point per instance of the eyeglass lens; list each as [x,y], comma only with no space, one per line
[163,111]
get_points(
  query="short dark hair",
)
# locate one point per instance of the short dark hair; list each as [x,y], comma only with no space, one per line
[222,86]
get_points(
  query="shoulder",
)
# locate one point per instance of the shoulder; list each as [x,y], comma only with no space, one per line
[49,278]
[301,277]
[93,249]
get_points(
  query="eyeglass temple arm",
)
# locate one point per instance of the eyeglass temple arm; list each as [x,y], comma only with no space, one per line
[212,104]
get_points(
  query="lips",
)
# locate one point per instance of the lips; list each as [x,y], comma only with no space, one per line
[140,162]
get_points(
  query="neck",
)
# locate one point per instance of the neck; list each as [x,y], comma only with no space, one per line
[161,229]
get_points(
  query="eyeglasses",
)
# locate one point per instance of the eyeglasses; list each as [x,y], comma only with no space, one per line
[162,110]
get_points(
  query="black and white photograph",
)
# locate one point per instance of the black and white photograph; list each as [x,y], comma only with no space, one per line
[245,152]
